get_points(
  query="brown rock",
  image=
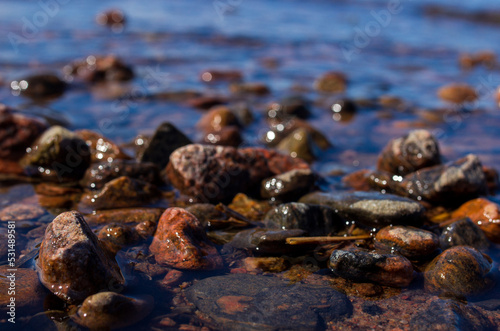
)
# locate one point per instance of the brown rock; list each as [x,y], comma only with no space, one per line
[29,293]
[331,82]
[21,212]
[181,242]
[226,136]
[408,241]
[40,86]
[417,150]
[117,235]
[72,263]
[96,69]
[485,213]
[217,118]
[113,18]
[486,58]
[268,264]
[125,216]
[459,271]
[206,102]
[249,88]
[101,148]
[457,93]
[214,75]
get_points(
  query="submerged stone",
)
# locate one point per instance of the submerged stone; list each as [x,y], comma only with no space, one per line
[249,302]
[29,293]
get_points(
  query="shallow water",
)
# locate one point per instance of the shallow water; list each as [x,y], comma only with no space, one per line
[409,55]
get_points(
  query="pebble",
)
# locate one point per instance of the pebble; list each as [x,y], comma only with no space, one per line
[486,215]
[266,264]
[117,235]
[459,271]
[124,216]
[331,82]
[42,86]
[101,148]
[315,220]
[365,266]
[245,302]
[72,263]
[207,101]
[226,136]
[457,93]
[113,18]
[58,154]
[299,143]
[486,58]
[121,192]
[109,310]
[266,241]
[98,174]
[281,129]
[463,232]
[289,185]
[217,118]
[216,75]
[180,242]
[166,139]
[205,213]
[259,89]
[416,150]
[343,109]
[408,241]
[295,106]
[21,212]
[371,209]
[96,69]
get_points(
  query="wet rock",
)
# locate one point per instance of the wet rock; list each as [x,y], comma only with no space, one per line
[17,132]
[266,241]
[21,212]
[365,266]
[43,86]
[72,263]
[176,96]
[343,110]
[492,179]
[108,310]
[172,278]
[331,82]
[113,18]
[463,232]
[408,241]
[181,242]
[469,61]
[299,144]
[226,136]
[206,102]
[249,88]
[101,148]
[249,302]
[372,209]
[486,215]
[124,216]
[96,69]
[289,185]
[459,271]
[205,213]
[29,293]
[117,235]
[291,106]
[281,129]
[449,315]
[265,163]
[358,180]
[417,150]
[457,93]
[266,264]
[99,174]
[314,219]
[452,183]
[121,192]
[166,139]
[145,229]
[57,155]
[242,112]
[214,75]
[249,208]
[217,118]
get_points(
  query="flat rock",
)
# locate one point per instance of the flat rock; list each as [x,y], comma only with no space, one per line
[248,302]
[408,241]
[124,215]
[72,263]
[372,209]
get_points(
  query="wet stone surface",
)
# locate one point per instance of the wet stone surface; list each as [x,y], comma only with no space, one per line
[29,293]
[266,241]
[483,212]
[289,185]
[463,232]
[251,302]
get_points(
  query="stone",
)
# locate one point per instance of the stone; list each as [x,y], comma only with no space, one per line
[250,302]
[416,150]
[449,315]
[113,18]
[124,216]
[331,82]
[205,213]
[289,185]
[109,310]
[206,101]
[259,89]
[343,109]
[101,148]
[282,128]
[457,93]
[17,132]
[121,192]
[117,235]
[266,241]
[226,136]
[365,266]
[58,154]
[463,232]
[469,61]
[459,271]
[452,183]
[295,106]
[217,75]
[371,209]
[29,293]
[485,214]
[42,86]
[217,118]
[166,139]
[180,242]
[21,212]
[299,143]
[315,220]
[95,69]
[98,174]
[72,263]
[371,308]
[408,241]
[266,264]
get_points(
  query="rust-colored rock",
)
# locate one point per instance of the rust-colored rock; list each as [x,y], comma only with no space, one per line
[227,136]
[29,293]
[72,263]
[408,241]
[180,241]
[483,212]
[457,93]
[125,216]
